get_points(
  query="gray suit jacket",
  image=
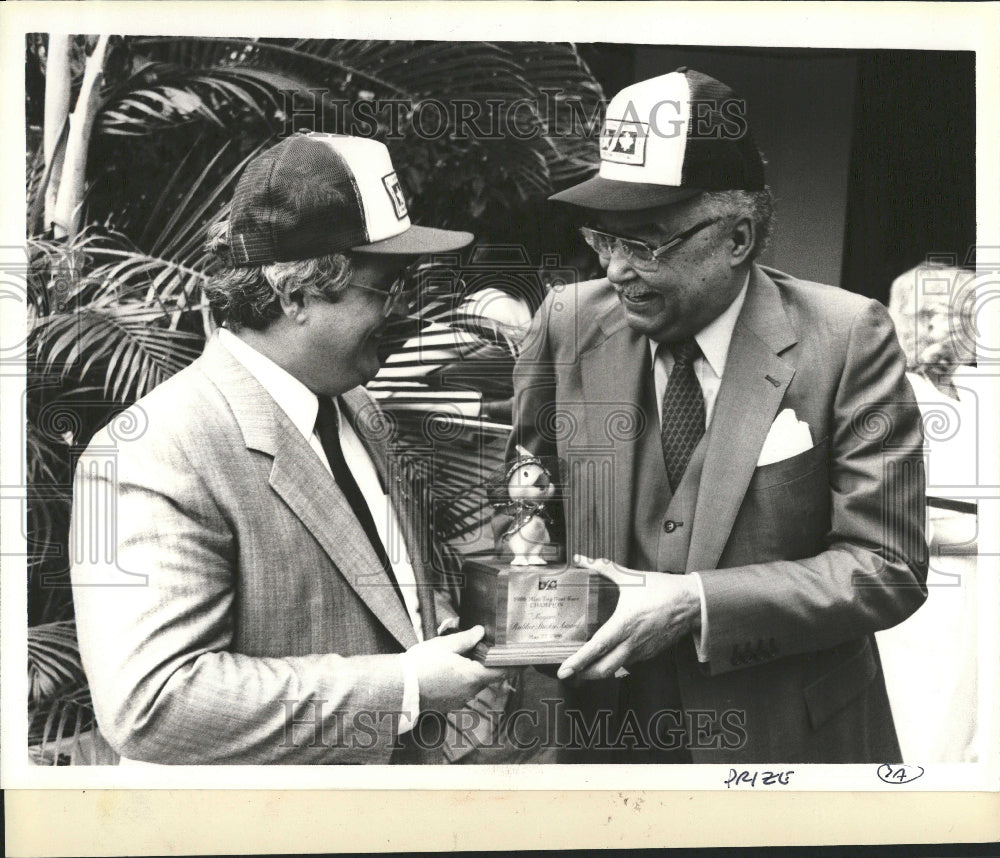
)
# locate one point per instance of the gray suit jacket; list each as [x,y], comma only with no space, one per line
[234,611]
[802,560]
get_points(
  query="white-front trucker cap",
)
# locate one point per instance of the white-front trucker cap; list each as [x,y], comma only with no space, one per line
[667,139]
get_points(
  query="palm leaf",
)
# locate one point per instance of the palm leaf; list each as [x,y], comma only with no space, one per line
[133,342]
[81,748]
[62,730]
[447,376]
[48,499]
[401,69]
[54,667]
[450,72]
[166,96]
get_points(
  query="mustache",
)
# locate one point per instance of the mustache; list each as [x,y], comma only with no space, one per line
[632,290]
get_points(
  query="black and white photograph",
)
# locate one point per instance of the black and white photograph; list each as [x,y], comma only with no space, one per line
[577,413]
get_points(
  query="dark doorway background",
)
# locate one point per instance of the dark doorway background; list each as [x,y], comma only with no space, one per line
[912,187]
[871,154]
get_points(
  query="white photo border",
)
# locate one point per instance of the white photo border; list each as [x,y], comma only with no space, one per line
[945,26]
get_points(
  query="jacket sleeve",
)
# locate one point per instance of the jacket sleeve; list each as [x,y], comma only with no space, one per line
[153,581]
[534,387]
[872,572]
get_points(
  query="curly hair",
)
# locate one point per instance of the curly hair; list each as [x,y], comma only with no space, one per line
[251,297]
[756,205]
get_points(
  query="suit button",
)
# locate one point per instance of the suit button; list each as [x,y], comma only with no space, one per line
[669,526]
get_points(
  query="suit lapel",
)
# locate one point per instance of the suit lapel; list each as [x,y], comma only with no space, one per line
[300,480]
[753,384]
[612,379]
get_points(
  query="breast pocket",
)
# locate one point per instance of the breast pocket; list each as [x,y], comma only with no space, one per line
[791,469]
[786,512]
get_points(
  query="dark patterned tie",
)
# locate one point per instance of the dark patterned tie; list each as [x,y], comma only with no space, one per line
[683,421]
[328,427]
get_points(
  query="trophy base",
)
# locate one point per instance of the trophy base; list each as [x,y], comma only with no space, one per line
[522,655]
[532,615]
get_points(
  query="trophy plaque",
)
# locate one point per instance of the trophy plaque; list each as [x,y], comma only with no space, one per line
[533,614]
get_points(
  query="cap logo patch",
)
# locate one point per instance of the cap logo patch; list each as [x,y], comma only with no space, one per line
[395,194]
[624,141]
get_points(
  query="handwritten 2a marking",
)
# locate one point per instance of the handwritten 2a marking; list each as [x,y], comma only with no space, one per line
[899,774]
[751,779]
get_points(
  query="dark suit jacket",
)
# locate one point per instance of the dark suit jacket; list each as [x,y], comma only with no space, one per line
[234,592]
[802,560]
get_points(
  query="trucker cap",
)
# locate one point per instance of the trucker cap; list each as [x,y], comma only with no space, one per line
[315,194]
[667,139]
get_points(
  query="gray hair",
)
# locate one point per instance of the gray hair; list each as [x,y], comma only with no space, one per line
[251,297]
[756,205]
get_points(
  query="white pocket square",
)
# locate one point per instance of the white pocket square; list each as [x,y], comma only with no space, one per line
[787,437]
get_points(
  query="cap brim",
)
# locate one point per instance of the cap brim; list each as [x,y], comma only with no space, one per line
[418,240]
[609,196]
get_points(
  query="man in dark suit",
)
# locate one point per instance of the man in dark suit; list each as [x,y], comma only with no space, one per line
[265,597]
[741,453]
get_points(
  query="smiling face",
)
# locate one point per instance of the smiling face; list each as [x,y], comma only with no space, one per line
[338,341]
[692,283]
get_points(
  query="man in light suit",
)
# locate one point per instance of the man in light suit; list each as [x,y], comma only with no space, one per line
[740,452]
[265,597]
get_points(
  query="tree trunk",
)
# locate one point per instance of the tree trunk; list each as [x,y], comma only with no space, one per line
[57,92]
[72,183]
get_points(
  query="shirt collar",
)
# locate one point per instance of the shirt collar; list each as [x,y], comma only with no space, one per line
[714,338]
[291,395]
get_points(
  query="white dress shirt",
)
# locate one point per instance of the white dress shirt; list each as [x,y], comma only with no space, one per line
[301,406]
[713,340]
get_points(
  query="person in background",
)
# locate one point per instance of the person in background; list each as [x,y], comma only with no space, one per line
[937,720]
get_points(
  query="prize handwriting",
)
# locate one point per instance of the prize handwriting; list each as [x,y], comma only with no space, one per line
[753,778]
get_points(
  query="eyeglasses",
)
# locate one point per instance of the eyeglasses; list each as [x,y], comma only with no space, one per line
[638,254]
[401,292]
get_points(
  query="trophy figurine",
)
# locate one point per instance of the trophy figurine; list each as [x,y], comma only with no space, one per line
[532,612]
[529,489]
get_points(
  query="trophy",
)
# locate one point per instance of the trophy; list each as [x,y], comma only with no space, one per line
[533,612]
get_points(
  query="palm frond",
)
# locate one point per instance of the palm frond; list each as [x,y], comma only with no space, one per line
[546,80]
[48,496]
[81,748]
[61,725]
[446,385]
[110,319]
[399,68]
[172,242]
[54,666]
[133,342]
[571,107]
[63,731]
[122,306]
[168,96]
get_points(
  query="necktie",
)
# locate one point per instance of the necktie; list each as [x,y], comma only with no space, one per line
[683,421]
[327,425]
